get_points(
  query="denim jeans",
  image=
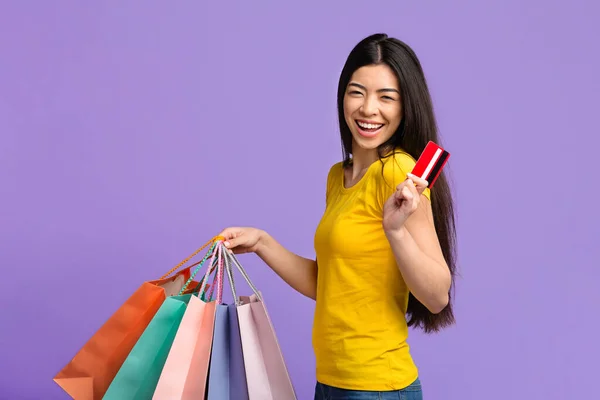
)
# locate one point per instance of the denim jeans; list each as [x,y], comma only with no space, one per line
[411,392]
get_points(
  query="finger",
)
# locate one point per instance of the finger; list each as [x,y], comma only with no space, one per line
[420,183]
[230,233]
[232,237]
[411,198]
[232,243]
[402,184]
[407,193]
[407,196]
[401,192]
[402,196]
[414,189]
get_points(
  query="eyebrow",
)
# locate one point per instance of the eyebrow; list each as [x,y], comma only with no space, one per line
[358,85]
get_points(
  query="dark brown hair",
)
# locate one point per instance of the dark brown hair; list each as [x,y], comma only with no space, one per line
[417,128]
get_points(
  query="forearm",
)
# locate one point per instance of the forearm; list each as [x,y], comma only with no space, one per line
[427,279]
[298,272]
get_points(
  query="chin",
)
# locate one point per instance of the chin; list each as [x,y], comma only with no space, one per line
[371,143]
[367,145]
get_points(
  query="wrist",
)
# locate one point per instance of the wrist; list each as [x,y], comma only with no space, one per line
[396,233]
[262,243]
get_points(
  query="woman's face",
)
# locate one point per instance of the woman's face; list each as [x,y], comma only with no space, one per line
[372,105]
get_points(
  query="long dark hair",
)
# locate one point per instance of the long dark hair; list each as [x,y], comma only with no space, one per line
[418,126]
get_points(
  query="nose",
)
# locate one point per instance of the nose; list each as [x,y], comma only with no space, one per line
[369,106]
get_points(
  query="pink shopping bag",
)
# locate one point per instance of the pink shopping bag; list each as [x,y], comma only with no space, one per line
[267,376]
[185,372]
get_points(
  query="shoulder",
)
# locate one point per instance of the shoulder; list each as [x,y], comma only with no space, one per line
[399,162]
[335,170]
[334,175]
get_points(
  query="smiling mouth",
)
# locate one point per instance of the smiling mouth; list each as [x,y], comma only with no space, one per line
[368,129]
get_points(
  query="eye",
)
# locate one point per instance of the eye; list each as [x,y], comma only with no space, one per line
[355,92]
[388,98]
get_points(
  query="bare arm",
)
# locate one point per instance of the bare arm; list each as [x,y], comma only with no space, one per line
[420,259]
[298,272]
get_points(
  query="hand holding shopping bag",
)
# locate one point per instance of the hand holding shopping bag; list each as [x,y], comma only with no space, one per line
[90,372]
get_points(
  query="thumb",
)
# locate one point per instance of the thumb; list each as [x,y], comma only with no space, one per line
[420,183]
[233,241]
[230,233]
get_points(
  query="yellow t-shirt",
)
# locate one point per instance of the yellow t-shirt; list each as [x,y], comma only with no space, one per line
[360,329]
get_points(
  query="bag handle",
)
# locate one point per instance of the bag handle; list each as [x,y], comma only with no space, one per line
[196,290]
[220,274]
[217,278]
[211,253]
[214,240]
[230,279]
[231,257]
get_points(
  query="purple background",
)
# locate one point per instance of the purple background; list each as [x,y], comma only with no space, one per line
[131,134]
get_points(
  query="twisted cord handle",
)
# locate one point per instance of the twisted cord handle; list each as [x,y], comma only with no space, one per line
[175,268]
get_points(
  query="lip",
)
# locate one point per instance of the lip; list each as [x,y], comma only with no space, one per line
[366,134]
[368,121]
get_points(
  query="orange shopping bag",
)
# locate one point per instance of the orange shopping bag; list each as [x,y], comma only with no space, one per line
[89,373]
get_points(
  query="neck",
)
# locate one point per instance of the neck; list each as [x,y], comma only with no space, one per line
[362,159]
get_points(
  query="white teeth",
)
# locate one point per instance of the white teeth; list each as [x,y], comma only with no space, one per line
[369,126]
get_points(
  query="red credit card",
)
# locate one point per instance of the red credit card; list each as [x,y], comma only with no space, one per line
[430,163]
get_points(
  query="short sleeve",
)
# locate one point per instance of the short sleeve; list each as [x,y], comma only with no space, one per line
[395,171]
[334,171]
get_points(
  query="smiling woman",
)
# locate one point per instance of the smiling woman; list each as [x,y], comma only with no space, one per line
[385,243]
[372,105]
[372,110]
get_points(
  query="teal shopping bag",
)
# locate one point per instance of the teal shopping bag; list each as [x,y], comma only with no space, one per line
[138,376]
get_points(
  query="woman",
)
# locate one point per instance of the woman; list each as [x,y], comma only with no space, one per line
[384,246]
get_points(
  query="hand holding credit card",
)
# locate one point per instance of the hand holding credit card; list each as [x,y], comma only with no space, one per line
[430,163]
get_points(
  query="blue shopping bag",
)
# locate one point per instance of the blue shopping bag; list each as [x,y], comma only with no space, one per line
[227,375]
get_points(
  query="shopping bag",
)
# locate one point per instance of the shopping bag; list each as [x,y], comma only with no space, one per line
[185,370]
[227,379]
[89,373]
[139,373]
[267,376]
[138,376]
